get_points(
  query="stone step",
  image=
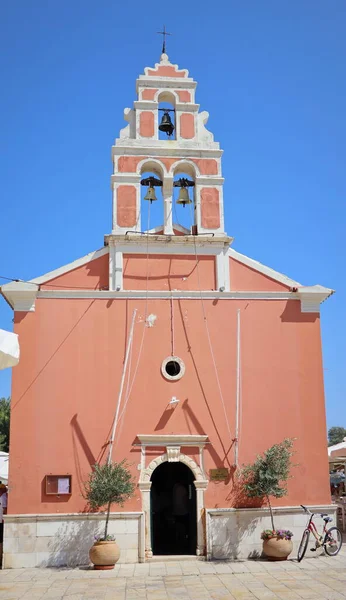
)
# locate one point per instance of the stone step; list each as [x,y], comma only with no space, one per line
[174,558]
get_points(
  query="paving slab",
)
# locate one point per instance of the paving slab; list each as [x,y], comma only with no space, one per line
[320,578]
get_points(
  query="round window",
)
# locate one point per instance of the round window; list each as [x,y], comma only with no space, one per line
[173,368]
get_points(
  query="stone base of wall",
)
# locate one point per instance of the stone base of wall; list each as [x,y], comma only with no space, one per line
[65,539]
[235,533]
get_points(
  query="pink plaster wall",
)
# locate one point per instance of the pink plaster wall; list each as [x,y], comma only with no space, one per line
[184,95]
[91,276]
[66,383]
[126,206]
[146,123]
[168,273]
[148,94]
[166,71]
[187,126]
[210,208]
[245,279]
[128,164]
[207,166]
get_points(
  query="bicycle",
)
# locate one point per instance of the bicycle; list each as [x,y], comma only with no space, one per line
[331,539]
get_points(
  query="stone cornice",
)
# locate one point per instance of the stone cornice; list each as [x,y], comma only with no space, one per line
[311,297]
[20,295]
[172,440]
[160,243]
[124,147]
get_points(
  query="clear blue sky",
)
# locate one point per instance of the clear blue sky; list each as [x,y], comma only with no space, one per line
[271,74]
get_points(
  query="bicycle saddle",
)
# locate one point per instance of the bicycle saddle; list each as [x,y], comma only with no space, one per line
[326,518]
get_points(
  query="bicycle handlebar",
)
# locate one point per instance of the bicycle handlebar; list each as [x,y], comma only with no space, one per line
[310,513]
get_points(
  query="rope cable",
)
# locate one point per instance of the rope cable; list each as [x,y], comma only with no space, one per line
[127,397]
[208,334]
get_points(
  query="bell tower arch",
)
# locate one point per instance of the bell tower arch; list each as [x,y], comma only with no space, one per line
[166,127]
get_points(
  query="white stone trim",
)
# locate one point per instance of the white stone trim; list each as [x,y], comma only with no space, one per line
[147,473]
[311,297]
[145,105]
[166,295]
[164,61]
[204,245]
[181,83]
[32,517]
[160,440]
[173,444]
[159,148]
[181,365]
[20,295]
[159,229]
[125,178]
[222,271]
[118,270]
[70,266]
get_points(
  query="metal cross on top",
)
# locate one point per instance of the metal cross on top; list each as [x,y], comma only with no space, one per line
[164,33]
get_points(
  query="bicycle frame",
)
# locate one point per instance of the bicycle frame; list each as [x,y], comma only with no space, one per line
[313,529]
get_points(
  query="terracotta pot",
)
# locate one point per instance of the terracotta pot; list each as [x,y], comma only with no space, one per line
[277,549]
[104,555]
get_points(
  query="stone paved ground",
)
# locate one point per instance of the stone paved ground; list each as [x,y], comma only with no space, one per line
[317,578]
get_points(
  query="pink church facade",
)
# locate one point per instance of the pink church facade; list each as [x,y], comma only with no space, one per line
[224,356]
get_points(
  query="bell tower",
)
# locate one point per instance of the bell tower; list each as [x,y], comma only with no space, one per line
[166,135]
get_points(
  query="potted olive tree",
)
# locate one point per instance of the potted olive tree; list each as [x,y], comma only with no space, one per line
[267,477]
[107,484]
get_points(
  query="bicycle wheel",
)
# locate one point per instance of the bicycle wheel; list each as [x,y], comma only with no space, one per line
[303,545]
[332,541]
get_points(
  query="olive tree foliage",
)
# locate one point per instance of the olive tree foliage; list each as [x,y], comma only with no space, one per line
[336,435]
[268,475]
[5,414]
[109,484]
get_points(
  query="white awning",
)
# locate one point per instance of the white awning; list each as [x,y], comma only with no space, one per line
[9,349]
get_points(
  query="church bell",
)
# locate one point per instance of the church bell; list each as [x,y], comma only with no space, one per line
[183,197]
[166,124]
[150,195]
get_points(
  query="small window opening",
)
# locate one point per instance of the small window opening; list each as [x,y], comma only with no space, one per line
[173,368]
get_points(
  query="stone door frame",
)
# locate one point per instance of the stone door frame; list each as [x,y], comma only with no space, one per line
[172,445]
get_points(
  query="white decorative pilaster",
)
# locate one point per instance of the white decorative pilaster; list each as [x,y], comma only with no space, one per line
[200,486]
[145,487]
[222,271]
[167,192]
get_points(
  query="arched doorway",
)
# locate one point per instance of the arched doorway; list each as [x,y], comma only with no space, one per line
[173,510]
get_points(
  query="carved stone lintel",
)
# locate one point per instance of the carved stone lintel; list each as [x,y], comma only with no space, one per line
[173,453]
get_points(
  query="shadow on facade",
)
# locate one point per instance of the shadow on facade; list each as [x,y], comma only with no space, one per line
[70,545]
[234,534]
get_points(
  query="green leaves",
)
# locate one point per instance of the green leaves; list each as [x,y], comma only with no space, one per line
[336,435]
[109,484]
[267,476]
[5,413]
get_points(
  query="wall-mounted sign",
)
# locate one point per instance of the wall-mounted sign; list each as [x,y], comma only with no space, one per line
[58,485]
[218,474]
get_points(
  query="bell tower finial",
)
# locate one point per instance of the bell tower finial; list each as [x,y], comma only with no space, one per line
[164,33]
